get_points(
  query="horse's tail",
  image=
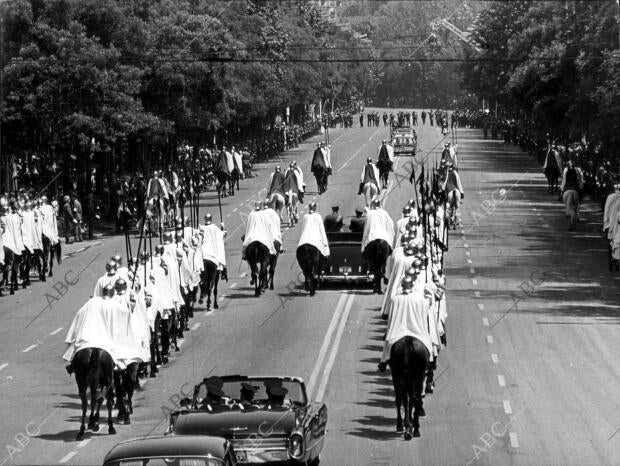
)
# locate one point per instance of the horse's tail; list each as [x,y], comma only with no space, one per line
[93,361]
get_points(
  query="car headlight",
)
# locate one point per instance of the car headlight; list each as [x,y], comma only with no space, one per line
[296,446]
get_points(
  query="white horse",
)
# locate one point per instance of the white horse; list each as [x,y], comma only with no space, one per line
[292,207]
[276,202]
[571,205]
[452,215]
[370,192]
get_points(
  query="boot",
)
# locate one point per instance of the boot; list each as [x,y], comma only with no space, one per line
[359,193]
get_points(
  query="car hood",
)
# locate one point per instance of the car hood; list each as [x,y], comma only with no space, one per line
[231,424]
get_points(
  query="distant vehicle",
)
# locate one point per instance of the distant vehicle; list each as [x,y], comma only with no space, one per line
[263,431]
[196,450]
[404,141]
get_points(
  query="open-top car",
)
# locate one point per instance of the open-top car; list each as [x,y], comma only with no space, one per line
[172,451]
[262,428]
[404,141]
[345,262]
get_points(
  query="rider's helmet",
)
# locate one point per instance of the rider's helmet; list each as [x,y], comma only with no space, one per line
[312,207]
[277,168]
[258,205]
[120,286]
[108,291]
[159,249]
[208,219]
[294,163]
[369,160]
[186,220]
[110,266]
[143,256]
[407,210]
[265,204]
[407,284]
[118,259]
[376,203]
[411,203]
[167,237]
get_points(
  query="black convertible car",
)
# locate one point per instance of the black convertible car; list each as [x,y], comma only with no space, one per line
[275,423]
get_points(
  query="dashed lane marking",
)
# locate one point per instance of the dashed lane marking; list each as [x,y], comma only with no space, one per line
[241,205]
[65,257]
[195,326]
[490,339]
[465,245]
[85,442]
[80,250]
[68,456]
[31,347]
[233,285]
[477,294]
[474,281]
[469,261]
[481,306]
[472,270]
[485,321]
[235,209]
[507,407]
[494,358]
[467,253]
[514,441]
[3,365]
[222,298]
[56,331]
[501,380]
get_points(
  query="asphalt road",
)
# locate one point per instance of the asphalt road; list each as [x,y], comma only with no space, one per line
[528,376]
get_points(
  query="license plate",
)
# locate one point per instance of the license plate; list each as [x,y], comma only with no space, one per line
[344,269]
[242,456]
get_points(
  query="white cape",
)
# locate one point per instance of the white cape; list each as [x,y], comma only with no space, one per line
[397,265]
[92,328]
[313,233]
[259,229]
[29,232]
[378,225]
[49,223]
[409,316]
[213,245]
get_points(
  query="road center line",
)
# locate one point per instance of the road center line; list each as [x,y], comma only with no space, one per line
[485,321]
[233,285]
[494,358]
[481,306]
[31,347]
[195,326]
[85,442]
[56,331]
[514,441]
[501,380]
[490,339]
[4,365]
[330,330]
[334,351]
[507,407]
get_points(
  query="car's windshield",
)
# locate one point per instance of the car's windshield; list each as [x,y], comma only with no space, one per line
[184,461]
[232,389]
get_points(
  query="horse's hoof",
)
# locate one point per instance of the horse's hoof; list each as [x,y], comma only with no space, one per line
[408,435]
[215,305]
[152,375]
[43,278]
[399,427]
[111,430]
[271,286]
[176,348]
[379,292]
[80,434]
[95,427]
[200,301]
[429,389]
[421,412]
[416,433]
[127,421]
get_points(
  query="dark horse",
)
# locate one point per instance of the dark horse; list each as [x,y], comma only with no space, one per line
[376,254]
[408,363]
[309,259]
[385,167]
[320,171]
[258,258]
[10,270]
[125,382]
[50,252]
[94,369]
[552,171]
[208,283]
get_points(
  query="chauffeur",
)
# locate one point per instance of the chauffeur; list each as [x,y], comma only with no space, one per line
[333,221]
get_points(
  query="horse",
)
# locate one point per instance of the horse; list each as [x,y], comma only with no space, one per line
[208,283]
[273,262]
[125,382]
[571,205]
[452,217]
[552,173]
[50,251]
[276,202]
[409,359]
[10,270]
[309,259]
[258,258]
[385,167]
[94,368]
[376,254]
[292,208]
[370,192]
[222,177]
[321,173]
